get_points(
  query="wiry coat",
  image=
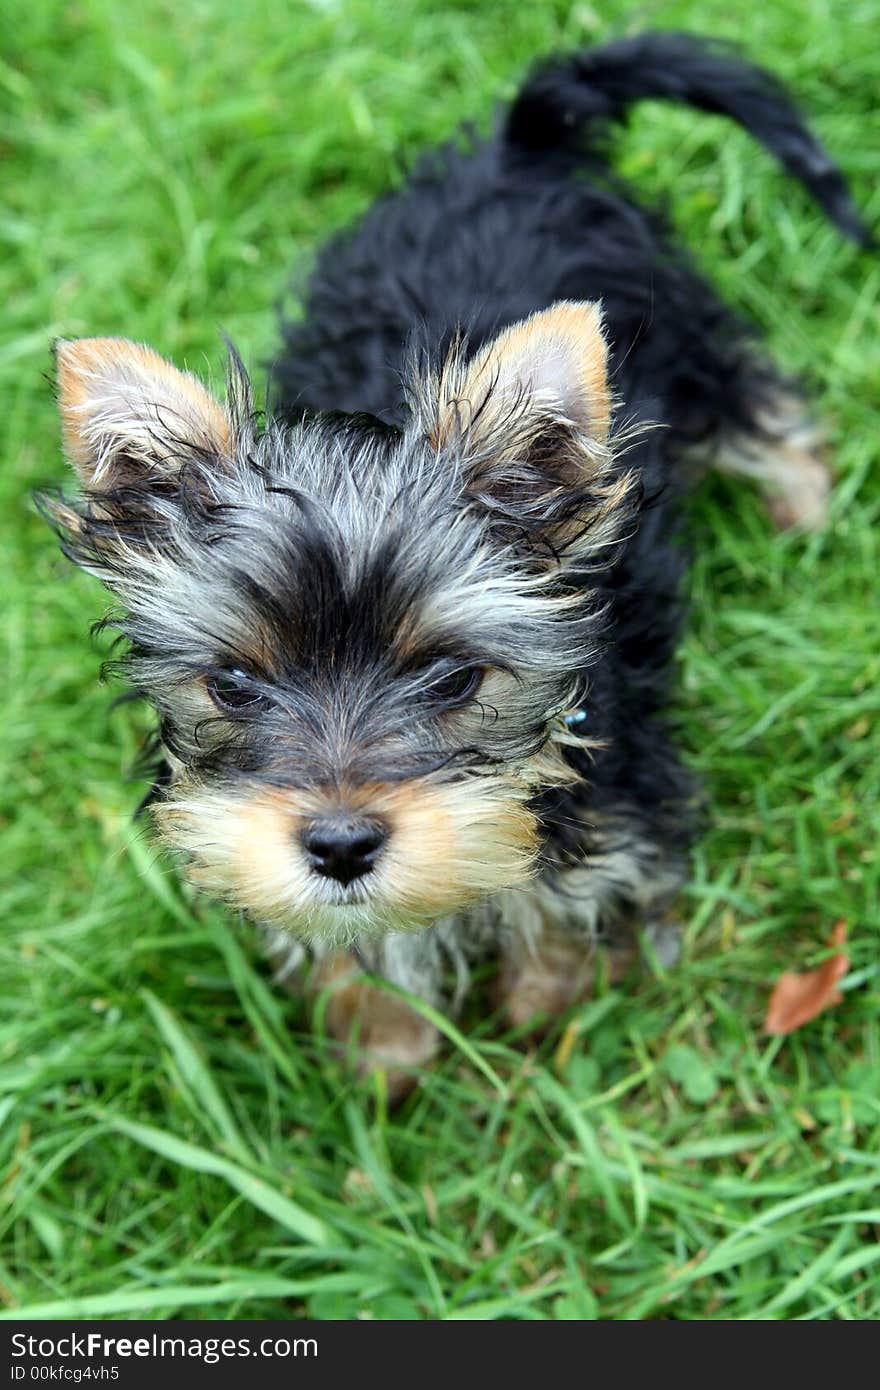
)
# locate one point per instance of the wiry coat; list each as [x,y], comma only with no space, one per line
[307,599]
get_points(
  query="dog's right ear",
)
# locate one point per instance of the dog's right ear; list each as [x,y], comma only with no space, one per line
[130,418]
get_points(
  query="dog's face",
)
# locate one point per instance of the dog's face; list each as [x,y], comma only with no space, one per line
[359,641]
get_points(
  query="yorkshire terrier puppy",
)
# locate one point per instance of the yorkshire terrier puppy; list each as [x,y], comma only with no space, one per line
[409,639]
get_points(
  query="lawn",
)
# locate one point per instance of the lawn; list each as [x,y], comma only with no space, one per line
[173,1139]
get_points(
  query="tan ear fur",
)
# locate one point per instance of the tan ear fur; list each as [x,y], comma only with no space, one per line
[553,363]
[124,409]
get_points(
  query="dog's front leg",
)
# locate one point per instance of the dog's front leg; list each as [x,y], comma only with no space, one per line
[375,1027]
[573,923]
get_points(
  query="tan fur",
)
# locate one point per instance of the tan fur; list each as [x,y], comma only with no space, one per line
[789,468]
[540,979]
[555,360]
[387,1034]
[449,845]
[550,948]
[121,398]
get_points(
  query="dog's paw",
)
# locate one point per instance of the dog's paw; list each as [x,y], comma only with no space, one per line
[375,1030]
[665,939]
[538,984]
[799,497]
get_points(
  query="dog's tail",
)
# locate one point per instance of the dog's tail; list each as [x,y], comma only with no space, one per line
[570,102]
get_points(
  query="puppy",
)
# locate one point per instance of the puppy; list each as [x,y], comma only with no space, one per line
[409,640]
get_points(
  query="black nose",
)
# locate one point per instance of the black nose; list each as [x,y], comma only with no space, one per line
[343,848]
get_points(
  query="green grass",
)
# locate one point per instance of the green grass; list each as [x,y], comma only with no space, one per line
[173,1141]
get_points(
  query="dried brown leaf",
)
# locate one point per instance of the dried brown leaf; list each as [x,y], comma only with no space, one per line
[800,995]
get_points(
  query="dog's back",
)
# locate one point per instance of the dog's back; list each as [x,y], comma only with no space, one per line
[483,234]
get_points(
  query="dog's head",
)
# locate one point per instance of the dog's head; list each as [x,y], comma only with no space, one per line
[360,642]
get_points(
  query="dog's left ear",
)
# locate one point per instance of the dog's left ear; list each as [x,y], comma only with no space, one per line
[527,420]
[130,418]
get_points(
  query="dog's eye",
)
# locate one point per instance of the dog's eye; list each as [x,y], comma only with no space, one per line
[457,686]
[235,690]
